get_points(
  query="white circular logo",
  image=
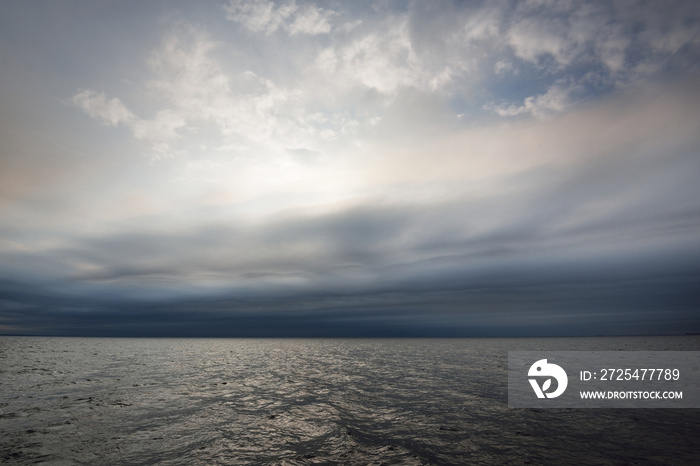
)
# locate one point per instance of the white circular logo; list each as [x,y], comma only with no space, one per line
[546,372]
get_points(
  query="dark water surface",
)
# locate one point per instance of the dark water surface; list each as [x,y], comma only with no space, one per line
[237,401]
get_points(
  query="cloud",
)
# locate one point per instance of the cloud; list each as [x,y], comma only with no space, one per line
[266,16]
[384,59]
[554,101]
[311,20]
[196,91]
[361,275]
[160,131]
[335,92]
[97,105]
[618,44]
[583,184]
[410,168]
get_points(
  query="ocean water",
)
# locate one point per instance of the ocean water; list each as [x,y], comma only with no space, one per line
[315,401]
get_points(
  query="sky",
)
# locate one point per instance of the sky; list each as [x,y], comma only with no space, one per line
[346,169]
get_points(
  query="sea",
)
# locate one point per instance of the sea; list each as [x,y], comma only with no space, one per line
[99,401]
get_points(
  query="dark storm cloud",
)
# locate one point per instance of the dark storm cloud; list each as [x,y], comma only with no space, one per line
[393,270]
[647,295]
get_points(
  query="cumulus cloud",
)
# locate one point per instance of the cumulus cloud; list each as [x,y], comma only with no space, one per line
[267,16]
[310,20]
[382,61]
[616,44]
[97,105]
[554,101]
[356,77]
[159,132]
[196,90]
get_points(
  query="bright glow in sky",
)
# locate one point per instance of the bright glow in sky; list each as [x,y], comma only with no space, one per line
[349,168]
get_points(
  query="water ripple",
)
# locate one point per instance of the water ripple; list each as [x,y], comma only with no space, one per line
[300,402]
